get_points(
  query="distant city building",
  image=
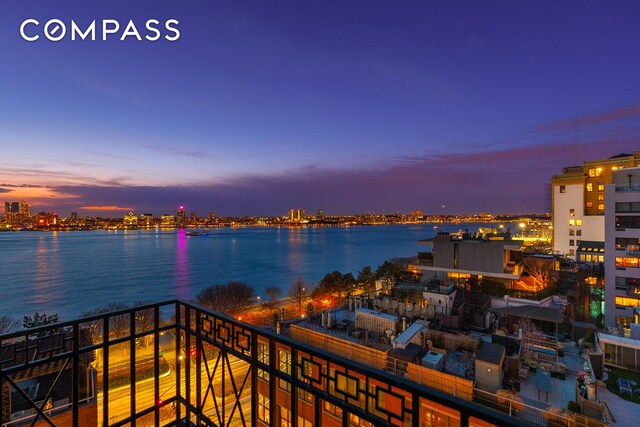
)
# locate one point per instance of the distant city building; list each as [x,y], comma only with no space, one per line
[212,215]
[167,221]
[147,220]
[24,210]
[47,220]
[319,214]
[181,217]
[130,220]
[578,201]
[16,213]
[296,215]
[622,243]
[417,213]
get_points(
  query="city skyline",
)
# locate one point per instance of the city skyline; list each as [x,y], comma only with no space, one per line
[358,107]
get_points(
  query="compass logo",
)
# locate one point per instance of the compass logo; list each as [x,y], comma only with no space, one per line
[56,30]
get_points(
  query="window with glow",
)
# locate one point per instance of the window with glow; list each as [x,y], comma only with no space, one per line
[332,409]
[285,417]
[572,222]
[303,422]
[263,356]
[630,262]
[589,204]
[578,222]
[592,173]
[284,364]
[600,197]
[601,186]
[589,186]
[601,207]
[263,408]
[572,212]
[627,302]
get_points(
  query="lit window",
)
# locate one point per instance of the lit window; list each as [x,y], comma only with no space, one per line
[589,186]
[263,356]
[578,222]
[284,362]
[601,186]
[589,204]
[572,252]
[263,408]
[598,171]
[627,302]
[572,212]
[332,409]
[285,417]
[563,189]
[572,222]
[303,422]
[600,197]
[601,207]
[592,172]
[627,262]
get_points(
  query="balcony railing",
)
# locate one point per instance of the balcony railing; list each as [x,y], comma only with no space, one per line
[177,364]
[632,187]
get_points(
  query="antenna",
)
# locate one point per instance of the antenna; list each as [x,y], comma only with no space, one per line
[575,143]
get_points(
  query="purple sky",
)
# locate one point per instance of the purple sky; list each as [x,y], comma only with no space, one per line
[349,107]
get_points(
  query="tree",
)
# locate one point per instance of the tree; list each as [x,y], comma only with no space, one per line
[273,292]
[298,293]
[229,299]
[309,309]
[38,320]
[367,279]
[145,321]
[541,271]
[8,324]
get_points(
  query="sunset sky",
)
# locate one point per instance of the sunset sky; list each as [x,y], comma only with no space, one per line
[345,106]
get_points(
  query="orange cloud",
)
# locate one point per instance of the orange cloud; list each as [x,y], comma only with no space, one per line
[106,208]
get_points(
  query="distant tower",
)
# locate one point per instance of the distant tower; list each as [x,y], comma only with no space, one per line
[212,215]
[300,215]
[292,215]
[25,210]
[320,214]
[180,217]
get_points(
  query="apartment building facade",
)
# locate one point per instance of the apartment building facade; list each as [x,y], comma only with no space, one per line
[622,239]
[578,201]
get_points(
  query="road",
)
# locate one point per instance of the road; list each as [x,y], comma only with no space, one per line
[120,403]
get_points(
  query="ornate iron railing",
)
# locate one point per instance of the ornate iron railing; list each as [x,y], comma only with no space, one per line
[175,363]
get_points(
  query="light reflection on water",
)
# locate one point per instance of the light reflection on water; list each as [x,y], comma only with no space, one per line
[69,272]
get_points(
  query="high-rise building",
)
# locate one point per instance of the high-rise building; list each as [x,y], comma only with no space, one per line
[622,244]
[24,210]
[578,201]
[181,217]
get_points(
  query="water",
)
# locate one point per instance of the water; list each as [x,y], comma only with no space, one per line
[70,272]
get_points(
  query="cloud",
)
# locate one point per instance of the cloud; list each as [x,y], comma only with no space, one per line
[109,208]
[5,190]
[173,151]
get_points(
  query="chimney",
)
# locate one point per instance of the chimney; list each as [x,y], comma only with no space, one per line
[404,324]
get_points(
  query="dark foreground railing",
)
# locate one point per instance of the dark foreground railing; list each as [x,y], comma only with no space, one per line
[175,363]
